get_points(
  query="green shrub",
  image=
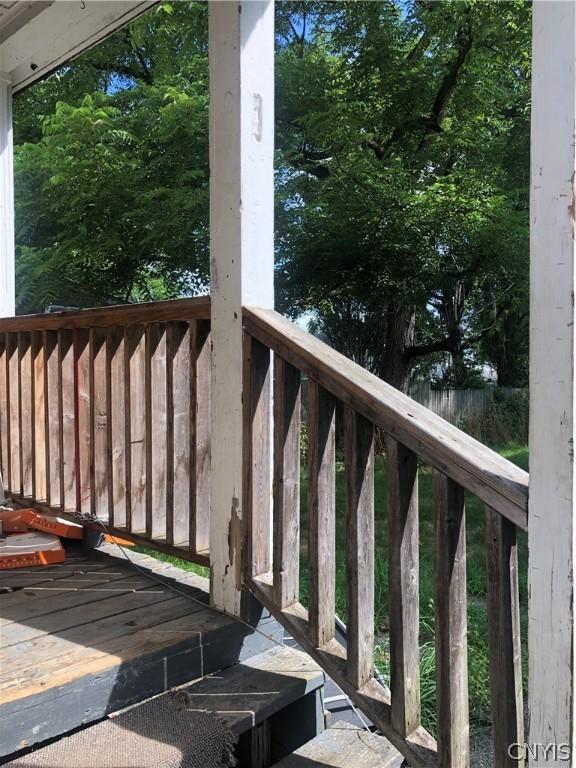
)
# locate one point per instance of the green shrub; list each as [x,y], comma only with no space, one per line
[504,421]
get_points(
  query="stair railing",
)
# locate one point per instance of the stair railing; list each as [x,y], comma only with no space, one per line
[106,412]
[459,463]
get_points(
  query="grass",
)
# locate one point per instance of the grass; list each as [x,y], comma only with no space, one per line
[478,672]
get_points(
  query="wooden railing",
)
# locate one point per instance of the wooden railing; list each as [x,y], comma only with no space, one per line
[458,463]
[106,412]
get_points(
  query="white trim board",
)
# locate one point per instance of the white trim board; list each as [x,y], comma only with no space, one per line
[60,32]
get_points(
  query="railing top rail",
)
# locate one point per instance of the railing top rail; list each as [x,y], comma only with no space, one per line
[496,481]
[197,308]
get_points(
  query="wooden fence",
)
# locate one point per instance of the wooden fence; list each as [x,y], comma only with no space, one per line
[456,405]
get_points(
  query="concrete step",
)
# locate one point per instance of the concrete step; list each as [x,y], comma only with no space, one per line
[343,746]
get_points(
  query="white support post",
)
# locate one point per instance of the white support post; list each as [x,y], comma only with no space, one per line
[241,55]
[552,521]
[7,272]
[7,278]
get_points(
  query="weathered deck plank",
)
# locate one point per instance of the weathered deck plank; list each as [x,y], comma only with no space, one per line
[97,634]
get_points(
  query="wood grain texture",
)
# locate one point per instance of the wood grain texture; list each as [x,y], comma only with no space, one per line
[199,470]
[135,348]
[504,638]
[451,624]
[157,430]
[494,479]
[345,746]
[105,317]
[84,425]
[13,412]
[359,470]
[321,513]
[4,414]
[419,748]
[25,413]
[117,413]
[68,420]
[169,407]
[99,413]
[403,581]
[40,420]
[286,482]
[182,372]
[257,457]
[54,418]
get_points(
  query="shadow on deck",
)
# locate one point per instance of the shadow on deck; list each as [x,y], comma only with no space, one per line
[93,635]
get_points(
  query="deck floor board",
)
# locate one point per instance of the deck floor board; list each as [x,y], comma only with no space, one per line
[92,635]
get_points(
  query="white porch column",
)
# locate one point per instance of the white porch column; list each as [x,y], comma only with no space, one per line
[7,278]
[552,379]
[241,42]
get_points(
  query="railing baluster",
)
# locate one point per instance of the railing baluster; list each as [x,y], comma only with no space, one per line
[180,361]
[504,637]
[13,394]
[117,419]
[403,586]
[136,428]
[169,408]
[53,418]
[451,623]
[200,412]
[25,409]
[359,465]
[286,482]
[257,414]
[321,514]
[40,473]
[100,404]
[88,418]
[85,416]
[157,429]
[67,418]
[4,429]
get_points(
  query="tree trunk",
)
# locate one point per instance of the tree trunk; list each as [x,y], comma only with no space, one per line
[400,333]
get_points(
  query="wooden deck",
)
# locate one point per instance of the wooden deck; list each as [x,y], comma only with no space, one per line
[95,634]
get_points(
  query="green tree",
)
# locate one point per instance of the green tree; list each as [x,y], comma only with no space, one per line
[400,170]
[112,186]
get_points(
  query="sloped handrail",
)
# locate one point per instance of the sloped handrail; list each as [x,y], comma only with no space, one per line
[480,470]
[412,434]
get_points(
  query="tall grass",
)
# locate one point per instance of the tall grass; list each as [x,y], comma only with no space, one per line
[478,670]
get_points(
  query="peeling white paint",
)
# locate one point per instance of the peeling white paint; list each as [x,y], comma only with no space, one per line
[241,249]
[7,276]
[552,518]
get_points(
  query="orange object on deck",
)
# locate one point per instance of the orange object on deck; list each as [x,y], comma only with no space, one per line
[110,539]
[11,521]
[48,524]
[23,550]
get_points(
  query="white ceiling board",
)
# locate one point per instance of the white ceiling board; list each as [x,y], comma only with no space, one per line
[59,32]
[14,15]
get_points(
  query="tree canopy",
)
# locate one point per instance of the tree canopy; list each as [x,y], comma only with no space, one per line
[401,174]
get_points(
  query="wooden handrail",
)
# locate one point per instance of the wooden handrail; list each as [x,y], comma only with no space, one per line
[106,411]
[496,481]
[197,308]
[339,389]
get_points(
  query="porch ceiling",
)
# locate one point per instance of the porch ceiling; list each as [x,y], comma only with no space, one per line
[37,37]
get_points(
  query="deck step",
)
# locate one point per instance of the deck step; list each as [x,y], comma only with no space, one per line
[246,694]
[243,696]
[344,745]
